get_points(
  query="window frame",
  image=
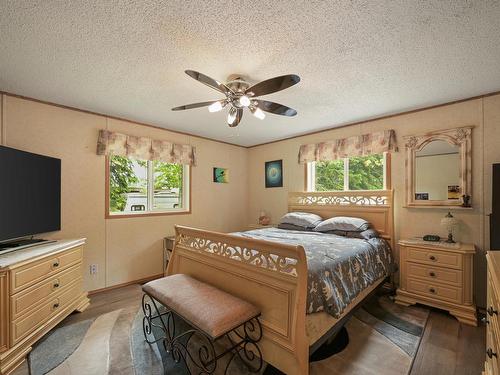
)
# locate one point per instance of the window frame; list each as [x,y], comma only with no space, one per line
[187,201]
[310,175]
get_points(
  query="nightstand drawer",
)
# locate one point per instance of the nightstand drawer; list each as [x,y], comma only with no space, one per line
[435,257]
[430,289]
[437,274]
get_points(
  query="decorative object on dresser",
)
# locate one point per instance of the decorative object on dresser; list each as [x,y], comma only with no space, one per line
[439,164]
[439,275]
[450,223]
[39,287]
[492,364]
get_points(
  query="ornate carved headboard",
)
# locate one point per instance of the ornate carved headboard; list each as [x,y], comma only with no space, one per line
[375,206]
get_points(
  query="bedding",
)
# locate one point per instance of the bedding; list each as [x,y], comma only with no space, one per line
[304,220]
[344,223]
[364,235]
[339,268]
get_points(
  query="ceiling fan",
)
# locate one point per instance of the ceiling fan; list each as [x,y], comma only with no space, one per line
[240,94]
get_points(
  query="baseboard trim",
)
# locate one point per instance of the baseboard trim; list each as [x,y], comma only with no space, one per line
[139,281]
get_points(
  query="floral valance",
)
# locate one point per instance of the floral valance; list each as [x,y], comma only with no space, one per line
[111,143]
[362,145]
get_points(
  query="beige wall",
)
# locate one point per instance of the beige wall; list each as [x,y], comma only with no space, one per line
[129,249]
[124,249]
[409,222]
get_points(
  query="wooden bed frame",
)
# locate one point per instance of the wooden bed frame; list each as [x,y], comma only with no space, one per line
[273,276]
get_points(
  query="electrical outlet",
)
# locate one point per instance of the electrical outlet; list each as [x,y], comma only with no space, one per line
[93,269]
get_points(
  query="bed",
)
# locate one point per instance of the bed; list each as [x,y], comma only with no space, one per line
[273,274]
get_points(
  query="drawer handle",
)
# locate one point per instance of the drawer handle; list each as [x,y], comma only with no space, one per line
[432,257]
[492,312]
[56,305]
[432,274]
[491,353]
[56,285]
[484,320]
[55,264]
[432,290]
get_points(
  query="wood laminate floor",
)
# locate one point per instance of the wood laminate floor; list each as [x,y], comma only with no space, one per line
[447,348]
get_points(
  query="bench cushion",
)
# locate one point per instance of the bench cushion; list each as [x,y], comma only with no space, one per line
[210,309]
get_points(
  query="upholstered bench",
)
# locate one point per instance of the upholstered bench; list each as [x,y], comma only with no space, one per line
[213,315]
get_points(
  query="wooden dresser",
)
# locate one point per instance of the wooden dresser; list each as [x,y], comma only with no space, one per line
[492,363]
[438,275]
[39,287]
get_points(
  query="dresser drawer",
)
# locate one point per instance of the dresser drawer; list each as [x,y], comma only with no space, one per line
[434,257]
[439,274]
[38,294]
[492,350]
[32,273]
[23,326]
[435,290]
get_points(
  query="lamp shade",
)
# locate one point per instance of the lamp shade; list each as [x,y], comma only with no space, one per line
[449,222]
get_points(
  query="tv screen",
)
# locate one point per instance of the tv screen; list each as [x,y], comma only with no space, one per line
[30,194]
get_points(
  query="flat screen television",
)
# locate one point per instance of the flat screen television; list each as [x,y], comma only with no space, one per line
[30,194]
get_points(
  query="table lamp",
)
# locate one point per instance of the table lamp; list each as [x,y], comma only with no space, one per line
[450,223]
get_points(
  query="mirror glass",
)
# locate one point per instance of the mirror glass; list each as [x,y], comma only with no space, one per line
[437,172]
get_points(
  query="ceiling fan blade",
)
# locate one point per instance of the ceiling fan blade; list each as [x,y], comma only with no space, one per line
[273,84]
[275,108]
[194,105]
[210,82]
[234,116]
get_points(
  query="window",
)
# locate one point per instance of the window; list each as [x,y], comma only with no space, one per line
[356,173]
[147,187]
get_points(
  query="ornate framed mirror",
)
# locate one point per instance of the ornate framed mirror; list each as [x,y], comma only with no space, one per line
[438,168]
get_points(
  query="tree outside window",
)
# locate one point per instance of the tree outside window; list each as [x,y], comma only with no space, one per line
[139,186]
[355,173]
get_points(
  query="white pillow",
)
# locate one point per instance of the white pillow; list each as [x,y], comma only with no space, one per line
[344,223]
[304,220]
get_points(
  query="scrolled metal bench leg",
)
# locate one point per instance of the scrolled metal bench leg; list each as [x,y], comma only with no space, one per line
[247,349]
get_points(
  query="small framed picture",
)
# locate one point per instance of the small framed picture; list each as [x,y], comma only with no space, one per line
[221,175]
[421,196]
[274,173]
[453,192]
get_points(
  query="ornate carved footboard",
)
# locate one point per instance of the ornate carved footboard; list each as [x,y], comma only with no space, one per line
[270,275]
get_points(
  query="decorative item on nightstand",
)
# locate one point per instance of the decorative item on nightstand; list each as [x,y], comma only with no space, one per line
[440,275]
[264,219]
[450,223]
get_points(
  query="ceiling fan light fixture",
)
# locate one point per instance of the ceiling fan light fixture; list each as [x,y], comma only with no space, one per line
[257,112]
[231,116]
[216,106]
[244,101]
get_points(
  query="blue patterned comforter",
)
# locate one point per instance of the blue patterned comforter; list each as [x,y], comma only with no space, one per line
[339,268]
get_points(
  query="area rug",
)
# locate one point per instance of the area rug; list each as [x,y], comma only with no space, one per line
[382,338]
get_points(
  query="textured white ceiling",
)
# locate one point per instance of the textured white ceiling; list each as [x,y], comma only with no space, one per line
[357,59]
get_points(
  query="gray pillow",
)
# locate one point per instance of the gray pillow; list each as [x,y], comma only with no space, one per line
[292,227]
[364,235]
[301,219]
[343,223]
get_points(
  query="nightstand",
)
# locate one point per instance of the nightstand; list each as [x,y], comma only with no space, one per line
[168,247]
[438,275]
